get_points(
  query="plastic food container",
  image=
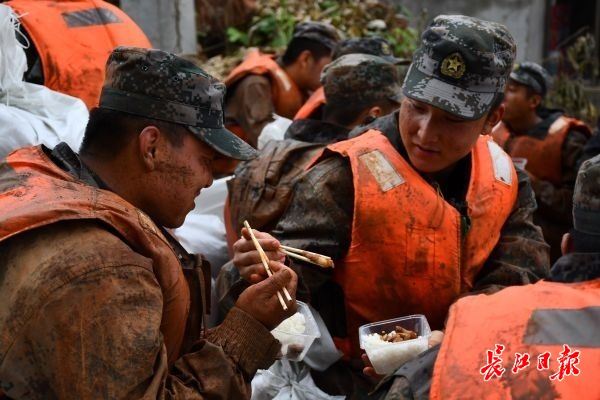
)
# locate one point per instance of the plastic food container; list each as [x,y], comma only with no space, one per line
[296,339]
[386,357]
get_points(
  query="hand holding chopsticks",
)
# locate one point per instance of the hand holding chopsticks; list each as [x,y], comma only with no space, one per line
[265,262]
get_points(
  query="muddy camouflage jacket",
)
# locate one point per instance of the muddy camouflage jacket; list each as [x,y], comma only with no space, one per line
[92,331]
[319,218]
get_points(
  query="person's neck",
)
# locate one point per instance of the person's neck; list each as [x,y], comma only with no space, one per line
[525,124]
[293,72]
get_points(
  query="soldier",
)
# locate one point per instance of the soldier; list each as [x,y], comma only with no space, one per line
[548,142]
[313,108]
[424,207]
[97,298]
[263,85]
[358,88]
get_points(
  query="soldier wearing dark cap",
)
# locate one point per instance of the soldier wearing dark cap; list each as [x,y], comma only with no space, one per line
[422,207]
[98,300]
[263,85]
[558,317]
[358,88]
[547,143]
[313,108]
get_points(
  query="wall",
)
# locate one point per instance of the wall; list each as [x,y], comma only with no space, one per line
[523,18]
[169,24]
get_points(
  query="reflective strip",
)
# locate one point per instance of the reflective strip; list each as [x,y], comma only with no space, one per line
[386,176]
[90,17]
[501,162]
[557,327]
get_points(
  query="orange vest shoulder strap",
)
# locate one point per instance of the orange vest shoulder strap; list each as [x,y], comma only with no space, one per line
[39,193]
[287,97]
[74,40]
[316,100]
[532,319]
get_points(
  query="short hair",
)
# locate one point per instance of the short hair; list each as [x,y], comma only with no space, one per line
[345,115]
[299,44]
[109,131]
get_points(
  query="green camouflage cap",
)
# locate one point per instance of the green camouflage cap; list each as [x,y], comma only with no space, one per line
[586,198]
[532,75]
[155,84]
[360,79]
[321,32]
[374,45]
[462,65]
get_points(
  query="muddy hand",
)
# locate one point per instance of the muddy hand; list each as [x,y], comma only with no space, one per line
[247,259]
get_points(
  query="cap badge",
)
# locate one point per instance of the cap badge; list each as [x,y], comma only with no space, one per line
[453,66]
[385,49]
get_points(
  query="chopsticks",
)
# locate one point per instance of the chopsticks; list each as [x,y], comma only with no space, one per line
[265,262]
[308,256]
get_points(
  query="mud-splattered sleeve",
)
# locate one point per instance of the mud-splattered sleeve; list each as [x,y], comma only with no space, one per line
[521,255]
[98,337]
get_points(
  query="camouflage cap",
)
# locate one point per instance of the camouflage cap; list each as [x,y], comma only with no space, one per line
[532,75]
[374,45]
[155,84]
[321,32]
[462,65]
[586,198]
[360,79]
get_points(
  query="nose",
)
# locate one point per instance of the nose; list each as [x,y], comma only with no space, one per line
[427,132]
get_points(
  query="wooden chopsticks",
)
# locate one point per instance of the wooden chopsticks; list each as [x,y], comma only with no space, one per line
[308,256]
[265,262]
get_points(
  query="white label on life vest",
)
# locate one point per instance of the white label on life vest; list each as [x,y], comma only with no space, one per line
[386,176]
[501,162]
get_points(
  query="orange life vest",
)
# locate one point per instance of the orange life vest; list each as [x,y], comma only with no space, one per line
[544,157]
[287,97]
[74,40]
[531,319]
[316,100]
[407,254]
[43,194]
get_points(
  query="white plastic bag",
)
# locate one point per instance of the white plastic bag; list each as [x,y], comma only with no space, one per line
[287,380]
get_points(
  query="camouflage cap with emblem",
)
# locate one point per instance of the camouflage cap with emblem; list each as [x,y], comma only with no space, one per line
[321,32]
[374,45]
[159,85]
[461,66]
[360,79]
[532,75]
[586,198]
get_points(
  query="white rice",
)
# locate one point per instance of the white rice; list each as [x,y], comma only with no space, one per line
[386,357]
[291,335]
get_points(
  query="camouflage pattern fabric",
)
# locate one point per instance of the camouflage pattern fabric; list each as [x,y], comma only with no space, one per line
[360,79]
[586,198]
[532,75]
[462,65]
[155,84]
[376,46]
[321,32]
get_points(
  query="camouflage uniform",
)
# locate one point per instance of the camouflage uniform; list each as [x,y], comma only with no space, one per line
[250,103]
[319,216]
[81,310]
[554,201]
[413,379]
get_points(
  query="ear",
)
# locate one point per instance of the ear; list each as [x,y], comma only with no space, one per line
[534,101]
[493,118]
[375,112]
[566,244]
[305,59]
[148,146]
